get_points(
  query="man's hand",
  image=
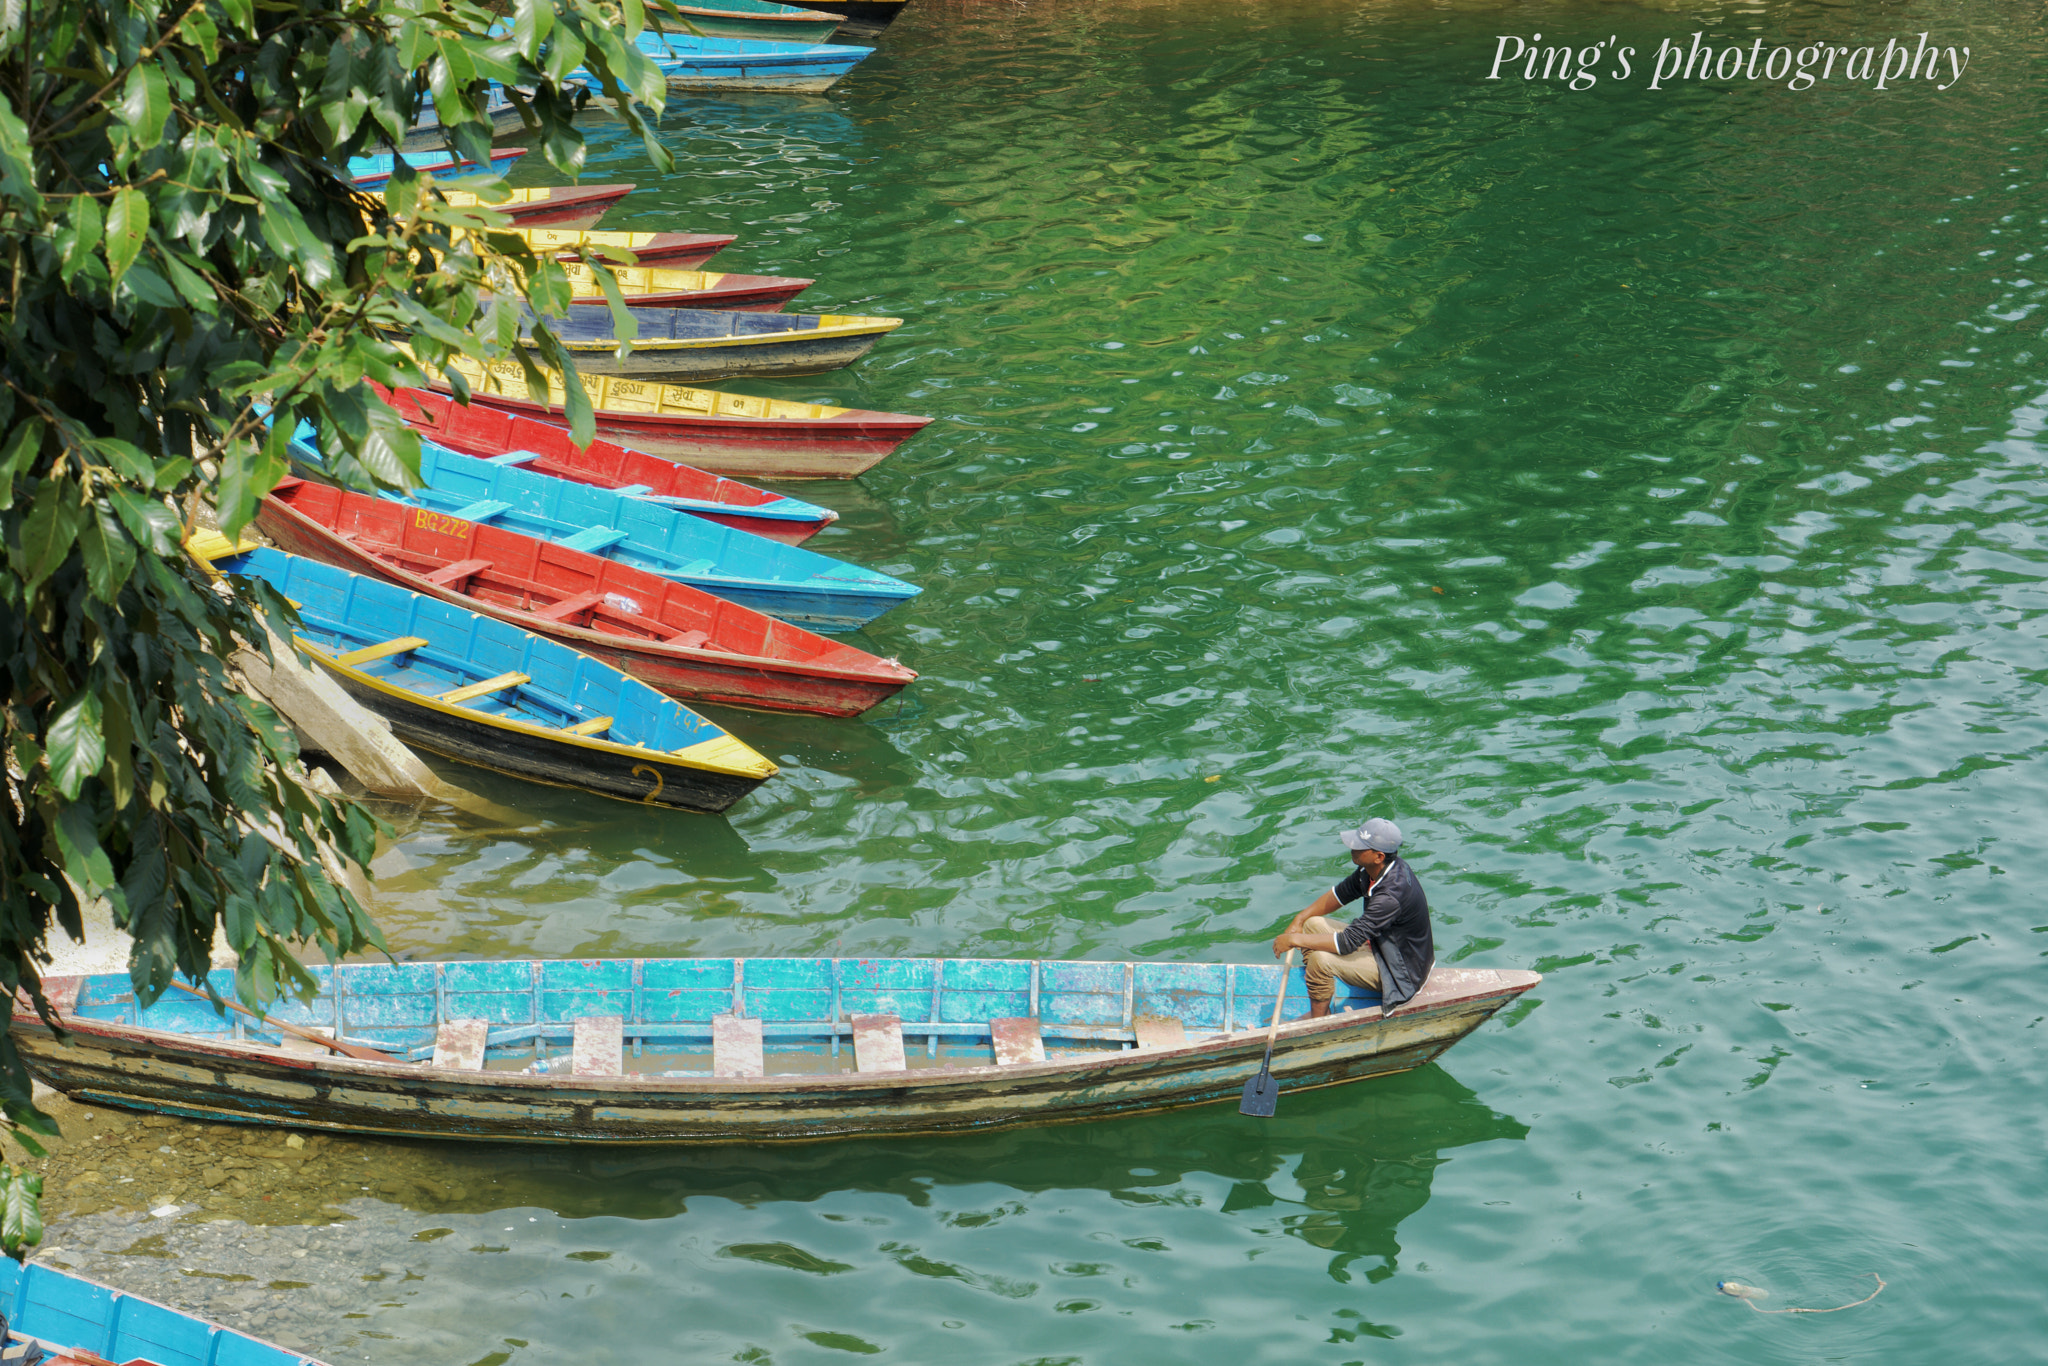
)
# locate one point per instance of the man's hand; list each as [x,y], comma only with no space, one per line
[1282,942]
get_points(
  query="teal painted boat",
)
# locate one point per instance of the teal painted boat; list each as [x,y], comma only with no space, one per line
[488,693]
[784,581]
[723,1050]
[374,172]
[691,63]
[80,1322]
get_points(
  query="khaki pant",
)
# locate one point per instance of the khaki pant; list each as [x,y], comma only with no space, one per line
[1359,968]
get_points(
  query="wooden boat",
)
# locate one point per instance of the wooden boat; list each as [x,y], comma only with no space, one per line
[690,63]
[495,434]
[659,287]
[669,250]
[758,19]
[563,209]
[81,1322]
[489,694]
[371,172]
[683,641]
[679,345]
[731,434]
[785,581]
[723,1050]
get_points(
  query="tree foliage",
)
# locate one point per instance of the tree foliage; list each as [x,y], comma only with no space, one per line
[188,274]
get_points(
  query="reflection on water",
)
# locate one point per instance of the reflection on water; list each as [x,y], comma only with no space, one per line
[386,1250]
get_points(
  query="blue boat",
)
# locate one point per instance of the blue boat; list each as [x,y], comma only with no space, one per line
[693,63]
[734,1050]
[373,172]
[487,693]
[784,581]
[68,1315]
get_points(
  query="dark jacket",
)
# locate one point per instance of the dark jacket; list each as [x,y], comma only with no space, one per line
[1395,918]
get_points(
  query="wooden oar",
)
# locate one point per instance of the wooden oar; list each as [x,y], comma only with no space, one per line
[351,1050]
[1262,1093]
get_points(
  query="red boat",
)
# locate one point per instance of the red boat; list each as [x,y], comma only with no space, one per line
[562,207]
[732,434]
[669,250]
[493,433]
[677,638]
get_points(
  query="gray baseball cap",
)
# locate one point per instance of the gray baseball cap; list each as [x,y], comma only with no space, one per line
[1377,833]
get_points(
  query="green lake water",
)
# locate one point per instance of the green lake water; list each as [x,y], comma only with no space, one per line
[1637,494]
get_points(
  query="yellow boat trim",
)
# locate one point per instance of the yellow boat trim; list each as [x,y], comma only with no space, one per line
[830,325]
[208,546]
[641,280]
[722,754]
[575,239]
[726,753]
[609,393]
[463,199]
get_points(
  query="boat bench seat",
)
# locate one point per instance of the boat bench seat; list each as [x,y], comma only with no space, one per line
[1159,1031]
[369,654]
[1017,1041]
[514,458]
[593,539]
[688,640]
[449,575]
[878,1044]
[459,1044]
[569,607]
[598,1048]
[633,490]
[736,1046]
[596,725]
[481,511]
[471,691]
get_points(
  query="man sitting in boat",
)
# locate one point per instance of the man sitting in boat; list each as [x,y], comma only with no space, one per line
[1387,948]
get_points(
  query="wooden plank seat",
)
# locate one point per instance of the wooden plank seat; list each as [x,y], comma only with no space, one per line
[598,1048]
[470,692]
[448,575]
[736,1046]
[569,607]
[1159,1031]
[481,511]
[596,725]
[460,1044]
[370,654]
[878,1044]
[594,538]
[688,640]
[1017,1041]
[514,458]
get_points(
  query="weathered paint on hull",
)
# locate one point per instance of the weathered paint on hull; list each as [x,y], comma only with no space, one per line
[642,776]
[831,448]
[795,354]
[198,1078]
[791,82]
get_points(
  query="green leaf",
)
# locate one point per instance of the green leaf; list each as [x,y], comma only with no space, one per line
[125,458]
[49,530]
[532,21]
[75,745]
[83,237]
[145,104]
[78,839]
[18,455]
[127,226]
[109,554]
[21,1210]
[241,13]
[151,523]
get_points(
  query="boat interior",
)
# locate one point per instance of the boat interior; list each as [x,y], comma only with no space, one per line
[742,1017]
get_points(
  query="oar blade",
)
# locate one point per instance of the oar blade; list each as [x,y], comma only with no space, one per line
[1261,1095]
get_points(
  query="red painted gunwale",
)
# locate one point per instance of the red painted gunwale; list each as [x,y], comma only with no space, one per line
[841,447]
[669,250]
[567,206]
[486,432]
[734,293]
[683,641]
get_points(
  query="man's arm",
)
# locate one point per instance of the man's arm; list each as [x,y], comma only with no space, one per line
[1293,938]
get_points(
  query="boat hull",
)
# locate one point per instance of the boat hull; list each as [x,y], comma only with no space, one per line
[569,207]
[712,25]
[842,447]
[79,1321]
[489,432]
[794,353]
[143,1069]
[702,675]
[866,13]
[732,294]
